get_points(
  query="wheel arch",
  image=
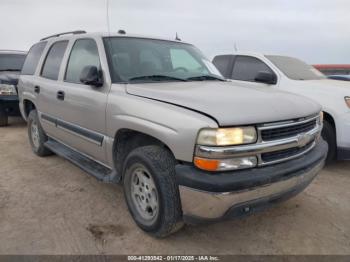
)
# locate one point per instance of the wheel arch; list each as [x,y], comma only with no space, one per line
[28,105]
[329,118]
[126,140]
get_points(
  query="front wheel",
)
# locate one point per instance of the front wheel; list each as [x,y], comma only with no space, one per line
[151,191]
[37,136]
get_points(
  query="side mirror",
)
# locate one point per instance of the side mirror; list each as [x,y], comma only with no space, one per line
[91,76]
[266,77]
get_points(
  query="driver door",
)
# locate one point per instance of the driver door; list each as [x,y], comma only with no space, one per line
[82,122]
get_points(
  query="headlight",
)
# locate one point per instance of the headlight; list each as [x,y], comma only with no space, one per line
[7,90]
[347,101]
[227,136]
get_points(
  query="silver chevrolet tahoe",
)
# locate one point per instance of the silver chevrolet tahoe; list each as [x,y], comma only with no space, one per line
[156,116]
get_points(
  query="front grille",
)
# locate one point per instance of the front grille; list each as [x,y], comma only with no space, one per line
[287,131]
[286,153]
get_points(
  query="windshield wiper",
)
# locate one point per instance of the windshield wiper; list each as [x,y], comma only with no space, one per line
[204,78]
[157,78]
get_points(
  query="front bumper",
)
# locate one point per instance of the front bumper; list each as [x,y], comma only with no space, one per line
[10,105]
[211,197]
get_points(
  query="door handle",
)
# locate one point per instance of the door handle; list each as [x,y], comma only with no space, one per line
[60,95]
[37,89]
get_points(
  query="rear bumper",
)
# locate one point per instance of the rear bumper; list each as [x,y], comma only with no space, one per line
[10,105]
[227,195]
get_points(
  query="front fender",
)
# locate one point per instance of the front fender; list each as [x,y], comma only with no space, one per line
[175,126]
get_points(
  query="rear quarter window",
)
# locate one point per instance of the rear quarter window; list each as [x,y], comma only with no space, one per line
[33,58]
[53,61]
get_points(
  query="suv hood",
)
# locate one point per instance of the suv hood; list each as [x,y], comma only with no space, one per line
[227,102]
[9,77]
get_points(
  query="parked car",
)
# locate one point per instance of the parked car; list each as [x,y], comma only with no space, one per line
[333,69]
[156,116]
[293,75]
[340,77]
[10,67]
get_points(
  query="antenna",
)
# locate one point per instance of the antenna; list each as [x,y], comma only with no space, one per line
[107,17]
[177,37]
[235,47]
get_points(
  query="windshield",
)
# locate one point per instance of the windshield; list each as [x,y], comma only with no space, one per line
[295,69]
[148,60]
[11,62]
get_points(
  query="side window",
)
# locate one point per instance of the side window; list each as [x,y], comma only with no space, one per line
[222,63]
[53,60]
[84,53]
[246,68]
[33,58]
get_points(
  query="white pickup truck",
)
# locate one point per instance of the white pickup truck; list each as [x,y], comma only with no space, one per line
[293,75]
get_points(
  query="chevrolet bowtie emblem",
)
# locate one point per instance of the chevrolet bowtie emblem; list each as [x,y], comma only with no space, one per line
[303,139]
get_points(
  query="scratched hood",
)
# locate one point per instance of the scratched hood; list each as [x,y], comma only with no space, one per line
[227,102]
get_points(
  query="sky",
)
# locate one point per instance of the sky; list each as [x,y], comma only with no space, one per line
[316,31]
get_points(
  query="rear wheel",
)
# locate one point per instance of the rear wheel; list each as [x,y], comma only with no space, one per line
[328,134]
[36,134]
[3,118]
[151,191]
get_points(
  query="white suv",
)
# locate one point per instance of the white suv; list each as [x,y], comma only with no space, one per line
[293,75]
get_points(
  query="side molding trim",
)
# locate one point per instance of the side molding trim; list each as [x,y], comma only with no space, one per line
[84,133]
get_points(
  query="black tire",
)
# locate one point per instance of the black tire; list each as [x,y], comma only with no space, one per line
[328,134]
[160,165]
[38,146]
[3,119]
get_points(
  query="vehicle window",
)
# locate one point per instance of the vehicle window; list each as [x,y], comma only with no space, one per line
[53,60]
[181,59]
[11,62]
[149,58]
[84,53]
[295,69]
[33,58]
[222,63]
[139,59]
[246,68]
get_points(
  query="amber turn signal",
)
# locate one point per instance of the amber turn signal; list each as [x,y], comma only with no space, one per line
[206,164]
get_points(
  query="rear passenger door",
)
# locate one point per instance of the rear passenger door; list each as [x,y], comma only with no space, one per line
[28,78]
[81,113]
[47,86]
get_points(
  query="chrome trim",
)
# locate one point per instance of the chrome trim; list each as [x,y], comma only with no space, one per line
[209,205]
[284,124]
[262,147]
[259,148]
[262,163]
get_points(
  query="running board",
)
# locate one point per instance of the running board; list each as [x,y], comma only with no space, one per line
[90,166]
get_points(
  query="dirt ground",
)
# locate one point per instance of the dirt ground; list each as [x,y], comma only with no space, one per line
[49,206]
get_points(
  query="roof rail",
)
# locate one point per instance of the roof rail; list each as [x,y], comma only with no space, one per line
[64,33]
[11,50]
